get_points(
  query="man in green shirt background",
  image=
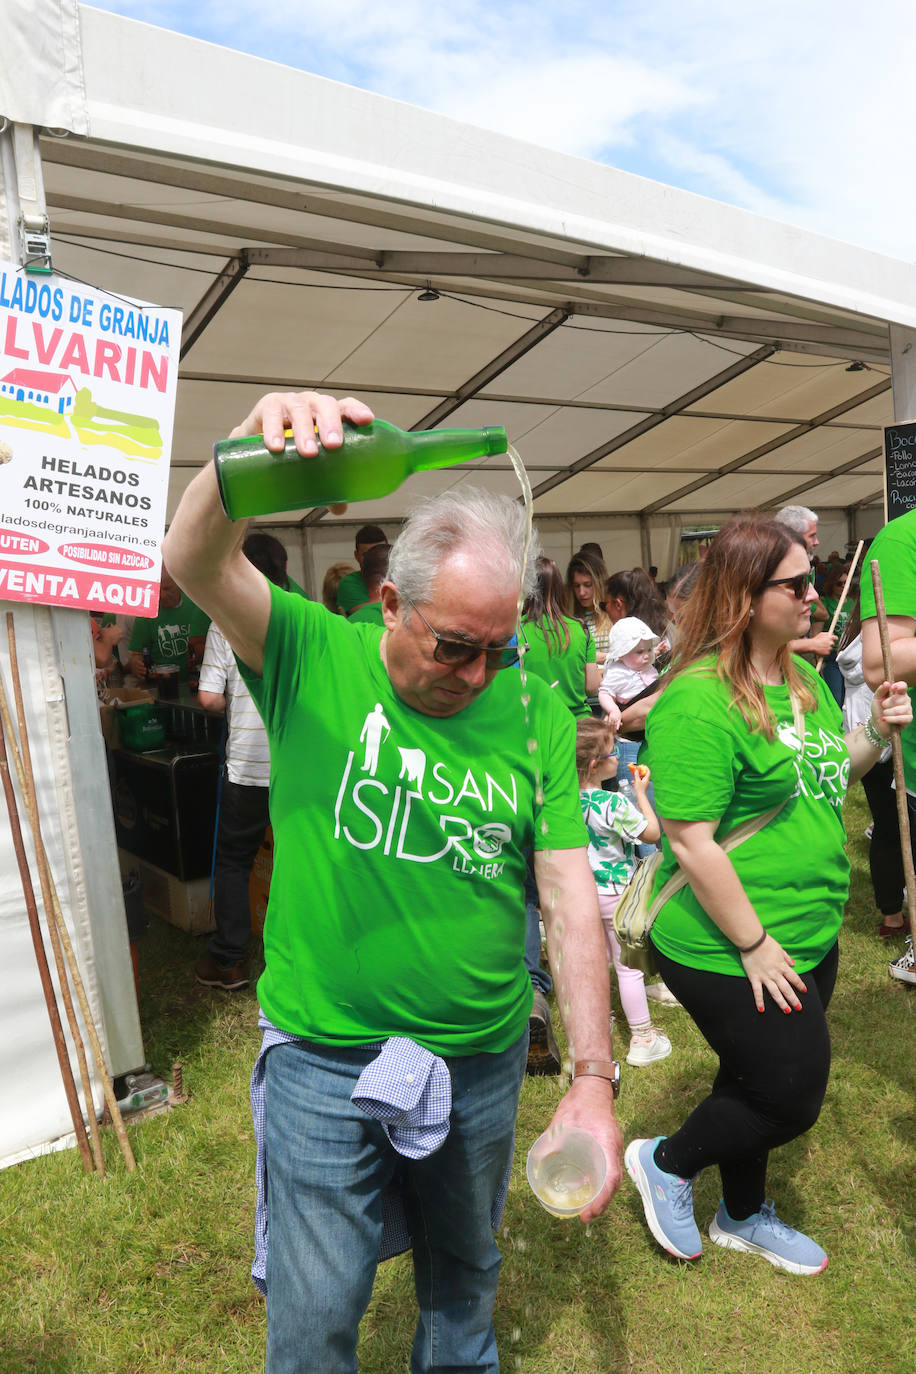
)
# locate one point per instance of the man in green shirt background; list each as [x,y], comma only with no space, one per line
[352,590]
[178,626]
[404,791]
[375,570]
[894,549]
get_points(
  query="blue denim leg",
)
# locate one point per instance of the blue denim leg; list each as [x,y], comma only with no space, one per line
[449,1199]
[327,1164]
[540,977]
[629,753]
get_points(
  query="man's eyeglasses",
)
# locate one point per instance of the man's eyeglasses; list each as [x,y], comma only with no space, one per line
[455,653]
[799,583]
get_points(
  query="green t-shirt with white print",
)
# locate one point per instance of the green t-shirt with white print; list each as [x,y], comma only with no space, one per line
[895,549]
[707,765]
[397,898]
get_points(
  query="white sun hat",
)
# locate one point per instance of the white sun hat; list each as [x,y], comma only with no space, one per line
[626,634]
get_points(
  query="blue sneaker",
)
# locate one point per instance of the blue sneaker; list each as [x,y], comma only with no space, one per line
[764,1234]
[667,1201]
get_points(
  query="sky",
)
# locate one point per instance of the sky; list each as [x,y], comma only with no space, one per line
[802,110]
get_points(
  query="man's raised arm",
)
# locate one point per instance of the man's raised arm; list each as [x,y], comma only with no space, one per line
[203,548]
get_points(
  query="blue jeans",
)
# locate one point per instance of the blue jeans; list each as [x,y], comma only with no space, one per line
[628,752]
[328,1165]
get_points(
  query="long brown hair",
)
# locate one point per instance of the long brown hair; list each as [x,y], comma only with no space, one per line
[641,597]
[591,566]
[546,605]
[714,622]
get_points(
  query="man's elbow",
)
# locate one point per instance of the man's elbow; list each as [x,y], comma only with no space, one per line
[872,656]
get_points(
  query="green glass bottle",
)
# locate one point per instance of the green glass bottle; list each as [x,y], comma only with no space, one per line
[373,461]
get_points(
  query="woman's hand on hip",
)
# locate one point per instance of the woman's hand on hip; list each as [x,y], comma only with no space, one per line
[770,968]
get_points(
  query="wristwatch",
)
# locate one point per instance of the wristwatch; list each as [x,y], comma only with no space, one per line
[599,1068]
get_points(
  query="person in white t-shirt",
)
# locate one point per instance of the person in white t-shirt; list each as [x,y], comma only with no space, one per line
[243,810]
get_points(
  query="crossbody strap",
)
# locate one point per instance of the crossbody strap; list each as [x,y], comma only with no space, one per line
[741,832]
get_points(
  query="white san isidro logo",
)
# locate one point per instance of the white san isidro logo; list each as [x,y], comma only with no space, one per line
[821,762]
[425,811]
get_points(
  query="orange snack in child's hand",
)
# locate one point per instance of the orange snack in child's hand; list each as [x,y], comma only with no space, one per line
[639,770]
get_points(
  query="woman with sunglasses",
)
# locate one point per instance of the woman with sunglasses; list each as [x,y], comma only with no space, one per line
[745,731]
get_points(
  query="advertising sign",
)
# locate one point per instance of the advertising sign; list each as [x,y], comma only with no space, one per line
[899,468]
[87,405]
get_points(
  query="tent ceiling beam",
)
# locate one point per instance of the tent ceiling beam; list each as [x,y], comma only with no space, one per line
[823,477]
[210,303]
[827,340]
[500,398]
[762,450]
[522,345]
[649,422]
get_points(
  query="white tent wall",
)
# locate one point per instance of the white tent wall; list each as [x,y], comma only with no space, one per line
[57,674]
[54,654]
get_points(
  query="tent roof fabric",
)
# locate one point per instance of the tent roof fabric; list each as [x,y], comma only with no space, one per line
[649,351]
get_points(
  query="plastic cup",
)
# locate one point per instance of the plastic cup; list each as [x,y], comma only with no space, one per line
[566,1168]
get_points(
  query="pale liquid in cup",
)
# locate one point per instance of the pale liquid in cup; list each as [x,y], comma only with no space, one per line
[562,1184]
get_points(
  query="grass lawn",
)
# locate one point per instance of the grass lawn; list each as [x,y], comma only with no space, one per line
[149,1274]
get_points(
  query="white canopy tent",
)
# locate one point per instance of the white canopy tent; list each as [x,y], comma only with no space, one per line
[658,359]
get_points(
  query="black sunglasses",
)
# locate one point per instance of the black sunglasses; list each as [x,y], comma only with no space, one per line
[799,583]
[455,653]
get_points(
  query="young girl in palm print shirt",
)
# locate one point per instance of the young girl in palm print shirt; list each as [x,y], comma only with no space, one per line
[614,827]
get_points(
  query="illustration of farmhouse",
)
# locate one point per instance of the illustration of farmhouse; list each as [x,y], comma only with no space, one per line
[54,391]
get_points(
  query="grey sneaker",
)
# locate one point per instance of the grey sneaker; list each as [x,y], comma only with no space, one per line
[904,968]
[543,1051]
[667,1201]
[765,1235]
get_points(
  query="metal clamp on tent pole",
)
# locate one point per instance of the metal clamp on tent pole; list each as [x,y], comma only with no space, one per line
[33,224]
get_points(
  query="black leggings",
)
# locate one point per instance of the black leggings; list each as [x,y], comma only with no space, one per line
[884,858]
[773,1072]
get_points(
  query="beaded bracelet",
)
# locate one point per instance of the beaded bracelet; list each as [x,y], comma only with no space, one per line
[749,949]
[876,740]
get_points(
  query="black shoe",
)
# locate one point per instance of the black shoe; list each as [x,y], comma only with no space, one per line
[229,977]
[543,1052]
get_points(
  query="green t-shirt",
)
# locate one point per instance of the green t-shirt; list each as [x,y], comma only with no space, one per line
[830,604]
[368,614]
[351,592]
[707,765]
[166,635]
[562,668]
[895,549]
[397,899]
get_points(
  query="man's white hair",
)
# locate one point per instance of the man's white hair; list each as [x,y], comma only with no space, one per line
[493,527]
[796,518]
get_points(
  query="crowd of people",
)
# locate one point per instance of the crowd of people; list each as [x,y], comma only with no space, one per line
[448,782]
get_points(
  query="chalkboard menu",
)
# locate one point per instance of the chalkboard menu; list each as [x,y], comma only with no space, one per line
[899,468]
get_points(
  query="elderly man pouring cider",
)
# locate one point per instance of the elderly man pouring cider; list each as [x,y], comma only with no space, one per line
[403,796]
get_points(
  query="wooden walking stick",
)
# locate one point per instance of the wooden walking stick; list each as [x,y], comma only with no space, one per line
[903,811]
[54,913]
[60,965]
[839,605]
[44,973]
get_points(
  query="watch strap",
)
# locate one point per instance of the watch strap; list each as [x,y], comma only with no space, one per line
[599,1068]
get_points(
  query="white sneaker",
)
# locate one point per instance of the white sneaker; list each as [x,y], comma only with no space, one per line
[647,1047]
[660,992]
[904,968]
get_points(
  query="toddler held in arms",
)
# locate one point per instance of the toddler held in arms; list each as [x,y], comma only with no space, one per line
[629,669]
[614,826]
